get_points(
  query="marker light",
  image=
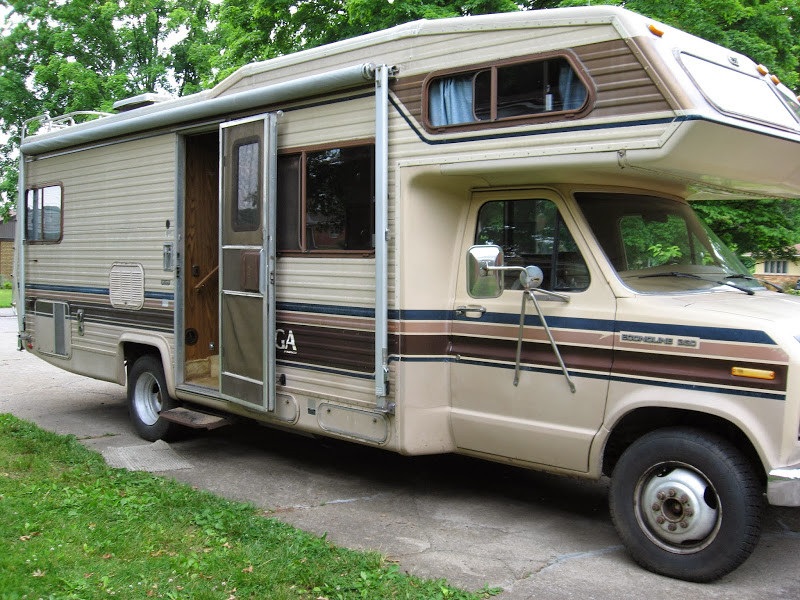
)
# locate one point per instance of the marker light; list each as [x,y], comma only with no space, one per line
[752,373]
[655,30]
[762,69]
[775,80]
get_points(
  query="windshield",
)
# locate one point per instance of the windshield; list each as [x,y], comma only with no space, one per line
[659,245]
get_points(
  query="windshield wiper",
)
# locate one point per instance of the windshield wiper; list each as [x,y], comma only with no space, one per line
[747,291]
[778,288]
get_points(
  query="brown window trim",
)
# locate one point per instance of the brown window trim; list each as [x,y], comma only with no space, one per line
[302,151]
[493,122]
[57,184]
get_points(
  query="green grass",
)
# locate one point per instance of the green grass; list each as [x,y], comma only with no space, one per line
[73,528]
[5,298]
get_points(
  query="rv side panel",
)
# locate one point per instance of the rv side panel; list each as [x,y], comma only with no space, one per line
[108,267]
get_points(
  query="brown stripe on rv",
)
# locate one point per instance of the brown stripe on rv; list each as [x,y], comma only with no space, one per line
[575,357]
[143,318]
[695,369]
[348,349]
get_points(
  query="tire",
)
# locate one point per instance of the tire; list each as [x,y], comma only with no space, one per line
[686,504]
[148,397]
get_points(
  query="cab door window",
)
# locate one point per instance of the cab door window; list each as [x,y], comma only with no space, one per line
[532,232]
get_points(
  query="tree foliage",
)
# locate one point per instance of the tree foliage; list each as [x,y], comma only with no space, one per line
[759,228]
[58,57]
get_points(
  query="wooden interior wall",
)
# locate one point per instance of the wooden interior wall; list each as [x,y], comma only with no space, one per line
[201,247]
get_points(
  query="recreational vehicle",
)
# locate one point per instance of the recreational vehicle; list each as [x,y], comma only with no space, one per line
[463,236]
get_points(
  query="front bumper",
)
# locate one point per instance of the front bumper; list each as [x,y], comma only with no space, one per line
[783,486]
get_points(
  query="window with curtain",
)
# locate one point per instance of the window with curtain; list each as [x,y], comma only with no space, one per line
[517,90]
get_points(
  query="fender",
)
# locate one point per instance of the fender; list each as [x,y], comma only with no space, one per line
[158,342]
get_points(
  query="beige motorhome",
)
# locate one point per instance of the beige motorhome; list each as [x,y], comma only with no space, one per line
[469,235]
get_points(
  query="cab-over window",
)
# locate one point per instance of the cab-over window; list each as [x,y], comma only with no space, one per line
[524,89]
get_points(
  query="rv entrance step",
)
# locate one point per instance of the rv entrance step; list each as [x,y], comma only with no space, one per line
[195,419]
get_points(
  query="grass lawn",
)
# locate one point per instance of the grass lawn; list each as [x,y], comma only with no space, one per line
[73,528]
[5,298]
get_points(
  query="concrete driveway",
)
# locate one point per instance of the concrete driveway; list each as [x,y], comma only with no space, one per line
[471,522]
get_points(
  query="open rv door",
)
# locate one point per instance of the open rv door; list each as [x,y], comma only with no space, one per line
[248,150]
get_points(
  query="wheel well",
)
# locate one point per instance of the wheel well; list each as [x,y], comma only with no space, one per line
[644,420]
[134,351]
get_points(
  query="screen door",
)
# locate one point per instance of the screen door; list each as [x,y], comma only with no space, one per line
[247,261]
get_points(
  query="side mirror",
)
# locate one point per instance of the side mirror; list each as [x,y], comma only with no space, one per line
[481,282]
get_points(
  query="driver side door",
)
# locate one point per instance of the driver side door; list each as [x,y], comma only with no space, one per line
[539,420]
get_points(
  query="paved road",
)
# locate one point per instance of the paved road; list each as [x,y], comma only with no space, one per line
[474,523]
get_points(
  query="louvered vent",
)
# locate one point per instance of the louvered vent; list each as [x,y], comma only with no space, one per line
[126,286]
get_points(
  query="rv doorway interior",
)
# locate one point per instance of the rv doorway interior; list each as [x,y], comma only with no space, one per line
[201,260]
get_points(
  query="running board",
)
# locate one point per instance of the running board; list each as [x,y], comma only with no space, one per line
[195,419]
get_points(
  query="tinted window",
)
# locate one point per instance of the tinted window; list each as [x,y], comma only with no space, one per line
[326,199]
[659,244]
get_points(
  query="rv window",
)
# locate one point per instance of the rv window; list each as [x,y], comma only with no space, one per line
[325,200]
[43,214]
[517,90]
[532,232]
[247,210]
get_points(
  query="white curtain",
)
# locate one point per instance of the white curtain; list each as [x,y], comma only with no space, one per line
[573,92]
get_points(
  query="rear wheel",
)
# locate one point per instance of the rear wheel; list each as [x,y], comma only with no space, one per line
[686,503]
[148,398]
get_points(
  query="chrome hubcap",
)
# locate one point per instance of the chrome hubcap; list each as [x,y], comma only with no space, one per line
[147,398]
[678,508]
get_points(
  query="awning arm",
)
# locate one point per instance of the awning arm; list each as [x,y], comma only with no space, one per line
[382,73]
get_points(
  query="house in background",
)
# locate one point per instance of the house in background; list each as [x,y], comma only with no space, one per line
[780,272]
[7,231]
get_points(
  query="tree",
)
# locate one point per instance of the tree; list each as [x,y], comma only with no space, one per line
[57,57]
[765,229]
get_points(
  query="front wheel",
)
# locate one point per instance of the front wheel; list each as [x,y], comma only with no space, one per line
[148,397]
[686,503]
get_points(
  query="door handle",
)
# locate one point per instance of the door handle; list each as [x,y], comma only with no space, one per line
[464,311]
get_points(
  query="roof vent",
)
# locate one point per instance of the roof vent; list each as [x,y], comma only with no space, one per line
[140,101]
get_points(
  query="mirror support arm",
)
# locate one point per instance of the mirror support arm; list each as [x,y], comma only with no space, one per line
[529,279]
[520,270]
[529,294]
